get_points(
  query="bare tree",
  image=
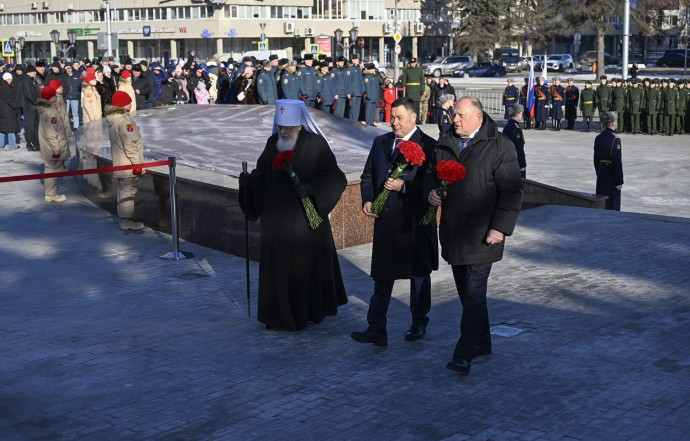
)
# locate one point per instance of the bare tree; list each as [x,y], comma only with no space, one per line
[480,27]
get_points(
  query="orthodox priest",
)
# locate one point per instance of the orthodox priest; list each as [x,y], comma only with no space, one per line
[299,274]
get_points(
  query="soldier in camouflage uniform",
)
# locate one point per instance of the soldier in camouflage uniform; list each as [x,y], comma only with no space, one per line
[620,98]
[669,104]
[412,80]
[588,102]
[634,105]
[652,104]
[682,106]
[604,96]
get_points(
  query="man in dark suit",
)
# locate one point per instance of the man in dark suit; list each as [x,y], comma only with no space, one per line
[476,216]
[402,248]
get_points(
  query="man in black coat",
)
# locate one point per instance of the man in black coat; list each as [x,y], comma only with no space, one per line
[608,161]
[513,132]
[141,86]
[476,215]
[31,93]
[299,274]
[402,249]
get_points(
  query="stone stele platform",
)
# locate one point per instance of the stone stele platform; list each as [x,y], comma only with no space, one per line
[209,144]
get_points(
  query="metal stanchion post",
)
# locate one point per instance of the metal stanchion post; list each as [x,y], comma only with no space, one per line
[175,254]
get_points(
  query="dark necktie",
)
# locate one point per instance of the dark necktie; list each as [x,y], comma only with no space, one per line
[464,142]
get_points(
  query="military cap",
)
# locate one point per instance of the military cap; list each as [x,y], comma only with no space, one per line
[2,62]
[510,80]
[557,78]
[526,79]
[340,58]
[324,64]
[413,60]
[322,57]
[266,63]
[664,80]
[635,81]
[671,80]
[272,57]
[30,68]
[655,81]
[603,77]
[571,79]
[370,66]
[309,57]
[19,67]
[283,62]
[330,59]
[588,82]
[354,56]
[647,79]
[41,63]
[246,58]
[292,63]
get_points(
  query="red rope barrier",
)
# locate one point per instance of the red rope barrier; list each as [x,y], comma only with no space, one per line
[143,165]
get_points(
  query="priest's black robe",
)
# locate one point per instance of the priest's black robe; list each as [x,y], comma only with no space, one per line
[299,273]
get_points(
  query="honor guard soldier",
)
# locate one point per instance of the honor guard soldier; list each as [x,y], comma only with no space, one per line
[372,92]
[511,95]
[412,80]
[660,117]
[342,84]
[572,99]
[290,81]
[682,106]
[523,100]
[356,87]
[278,75]
[607,162]
[307,81]
[557,93]
[669,107]
[266,86]
[652,104]
[325,86]
[588,101]
[644,85]
[541,104]
[635,103]
[619,102]
[603,96]
[513,131]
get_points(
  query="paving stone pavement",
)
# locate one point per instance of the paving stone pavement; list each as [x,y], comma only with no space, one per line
[101,340]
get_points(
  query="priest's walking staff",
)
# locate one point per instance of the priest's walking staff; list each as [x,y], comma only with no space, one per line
[246,242]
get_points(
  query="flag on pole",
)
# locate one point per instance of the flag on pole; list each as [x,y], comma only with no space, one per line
[530,88]
[544,70]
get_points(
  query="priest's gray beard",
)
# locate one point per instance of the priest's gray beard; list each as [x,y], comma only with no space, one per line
[289,143]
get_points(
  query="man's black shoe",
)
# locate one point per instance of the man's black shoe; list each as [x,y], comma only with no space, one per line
[369,336]
[459,365]
[415,332]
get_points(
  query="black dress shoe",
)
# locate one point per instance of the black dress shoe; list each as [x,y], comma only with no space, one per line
[415,332]
[459,365]
[369,336]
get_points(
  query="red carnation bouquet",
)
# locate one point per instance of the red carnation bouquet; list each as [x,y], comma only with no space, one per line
[413,155]
[283,161]
[448,172]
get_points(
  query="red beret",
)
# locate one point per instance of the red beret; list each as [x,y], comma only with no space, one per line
[121,99]
[126,74]
[55,84]
[47,93]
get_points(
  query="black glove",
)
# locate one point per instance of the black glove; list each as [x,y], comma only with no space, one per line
[245,179]
[302,190]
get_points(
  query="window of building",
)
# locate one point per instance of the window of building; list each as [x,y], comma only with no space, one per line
[367,9]
[196,14]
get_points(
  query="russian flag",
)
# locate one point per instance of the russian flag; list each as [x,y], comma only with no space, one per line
[530,88]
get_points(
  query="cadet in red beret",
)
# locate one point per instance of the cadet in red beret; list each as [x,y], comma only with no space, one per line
[126,148]
[52,139]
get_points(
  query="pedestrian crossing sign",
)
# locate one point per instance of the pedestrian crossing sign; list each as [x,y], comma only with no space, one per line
[7,49]
[314,48]
[263,45]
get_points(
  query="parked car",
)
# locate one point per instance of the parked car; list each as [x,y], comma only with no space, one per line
[559,62]
[447,65]
[512,64]
[589,57]
[481,69]
[538,61]
[673,58]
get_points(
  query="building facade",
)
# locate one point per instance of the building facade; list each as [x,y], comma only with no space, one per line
[165,29]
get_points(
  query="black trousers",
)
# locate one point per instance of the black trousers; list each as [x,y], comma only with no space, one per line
[420,302]
[471,282]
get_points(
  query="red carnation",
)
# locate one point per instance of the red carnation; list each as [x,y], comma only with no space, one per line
[448,172]
[414,155]
[412,152]
[283,159]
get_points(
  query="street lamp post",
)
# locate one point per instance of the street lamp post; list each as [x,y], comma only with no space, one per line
[353,38]
[64,48]
[338,39]
[18,45]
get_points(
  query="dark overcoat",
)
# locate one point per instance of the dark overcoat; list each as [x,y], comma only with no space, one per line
[402,248]
[299,273]
[9,103]
[609,167]
[489,197]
